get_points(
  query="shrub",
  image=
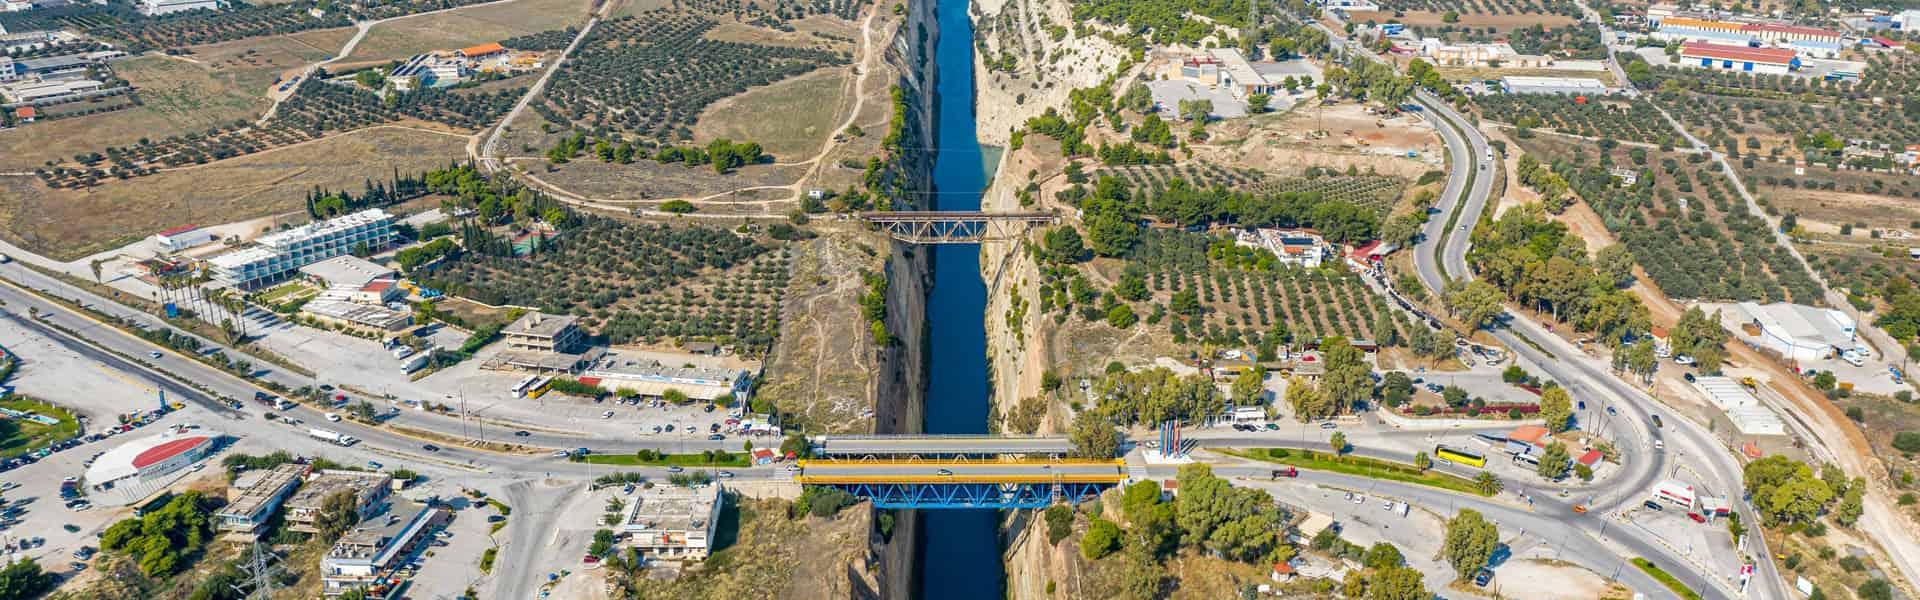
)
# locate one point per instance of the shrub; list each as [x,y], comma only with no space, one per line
[1103,537]
[1907,441]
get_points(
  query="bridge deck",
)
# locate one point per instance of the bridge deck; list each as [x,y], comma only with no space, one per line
[816,472]
[902,445]
[953,215]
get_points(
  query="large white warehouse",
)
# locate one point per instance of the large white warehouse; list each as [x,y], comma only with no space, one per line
[1801,332]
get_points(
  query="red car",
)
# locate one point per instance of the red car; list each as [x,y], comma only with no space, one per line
[590,559]
[1285,472]
[1696,517]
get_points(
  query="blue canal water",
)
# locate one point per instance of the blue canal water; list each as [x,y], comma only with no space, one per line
[960,549]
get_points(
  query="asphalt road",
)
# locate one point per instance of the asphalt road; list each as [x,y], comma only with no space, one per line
[1583,376]
[1573,544]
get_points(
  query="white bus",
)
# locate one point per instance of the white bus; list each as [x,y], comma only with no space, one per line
[520,391]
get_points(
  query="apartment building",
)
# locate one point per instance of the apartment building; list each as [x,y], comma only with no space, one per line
[370,492]
[276,257]
[673,522]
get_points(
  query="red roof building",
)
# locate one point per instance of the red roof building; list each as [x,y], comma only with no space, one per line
[25,114]
[1739,58]
[164,451]
[1781,32]
[1531,434]
[1591,458]
[486,49]
[179,230]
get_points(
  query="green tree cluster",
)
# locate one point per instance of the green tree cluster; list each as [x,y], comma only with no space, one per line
[1785,491]
[1152,396]
[1538,263]
[1700,336]
[1470,541]
[164,541]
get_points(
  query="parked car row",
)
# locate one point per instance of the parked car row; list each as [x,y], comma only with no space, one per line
[130,422]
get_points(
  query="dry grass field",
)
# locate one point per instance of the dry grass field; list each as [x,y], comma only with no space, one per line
[68,224]
[399,39]
[179,97]
[648,180]
[808,108]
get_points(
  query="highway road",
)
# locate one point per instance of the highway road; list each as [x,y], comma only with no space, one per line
[1439,258]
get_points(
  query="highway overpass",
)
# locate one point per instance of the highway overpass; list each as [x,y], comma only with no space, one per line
[940,446]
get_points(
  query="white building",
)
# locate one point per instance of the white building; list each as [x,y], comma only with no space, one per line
[1351,5]
[1674,492]
[1294,247]
[670,521]
[256,495]
[276,257]
[34,91]
[154,8]
[7,70]
[1748,415]
[1907,20]
[429,70]
[1801,332]
[141,467]
[368,553]
[1571,86]
[183,237]
[651,378]
[1773,61]
[1493,54]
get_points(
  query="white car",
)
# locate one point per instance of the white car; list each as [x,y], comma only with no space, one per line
[333,417]
[154,353]
[1683,360]
[606,415]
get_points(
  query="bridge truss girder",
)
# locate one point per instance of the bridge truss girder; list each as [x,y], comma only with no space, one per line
[972,495]
[956,231]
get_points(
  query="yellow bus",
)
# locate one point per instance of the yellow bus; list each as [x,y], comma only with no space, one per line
[1459,457]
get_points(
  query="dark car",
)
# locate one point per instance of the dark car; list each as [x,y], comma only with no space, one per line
[521,433]
[1651,505]
[1483,576]
[496,519]
[709,408]
[1688,376]
[716,437]
[1656,421]
[430,448]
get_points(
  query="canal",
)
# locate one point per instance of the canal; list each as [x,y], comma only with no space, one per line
[959,556]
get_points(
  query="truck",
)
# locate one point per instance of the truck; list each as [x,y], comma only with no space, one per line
[334,437]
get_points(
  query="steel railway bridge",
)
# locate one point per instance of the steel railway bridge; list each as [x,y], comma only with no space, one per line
[956,227]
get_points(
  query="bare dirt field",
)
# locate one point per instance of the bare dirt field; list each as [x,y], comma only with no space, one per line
[808,108]
[821,365]
[836,30]
[1284,145]
[67,224]
[399,39]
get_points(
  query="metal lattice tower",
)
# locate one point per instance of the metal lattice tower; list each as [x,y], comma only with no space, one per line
[260,569]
